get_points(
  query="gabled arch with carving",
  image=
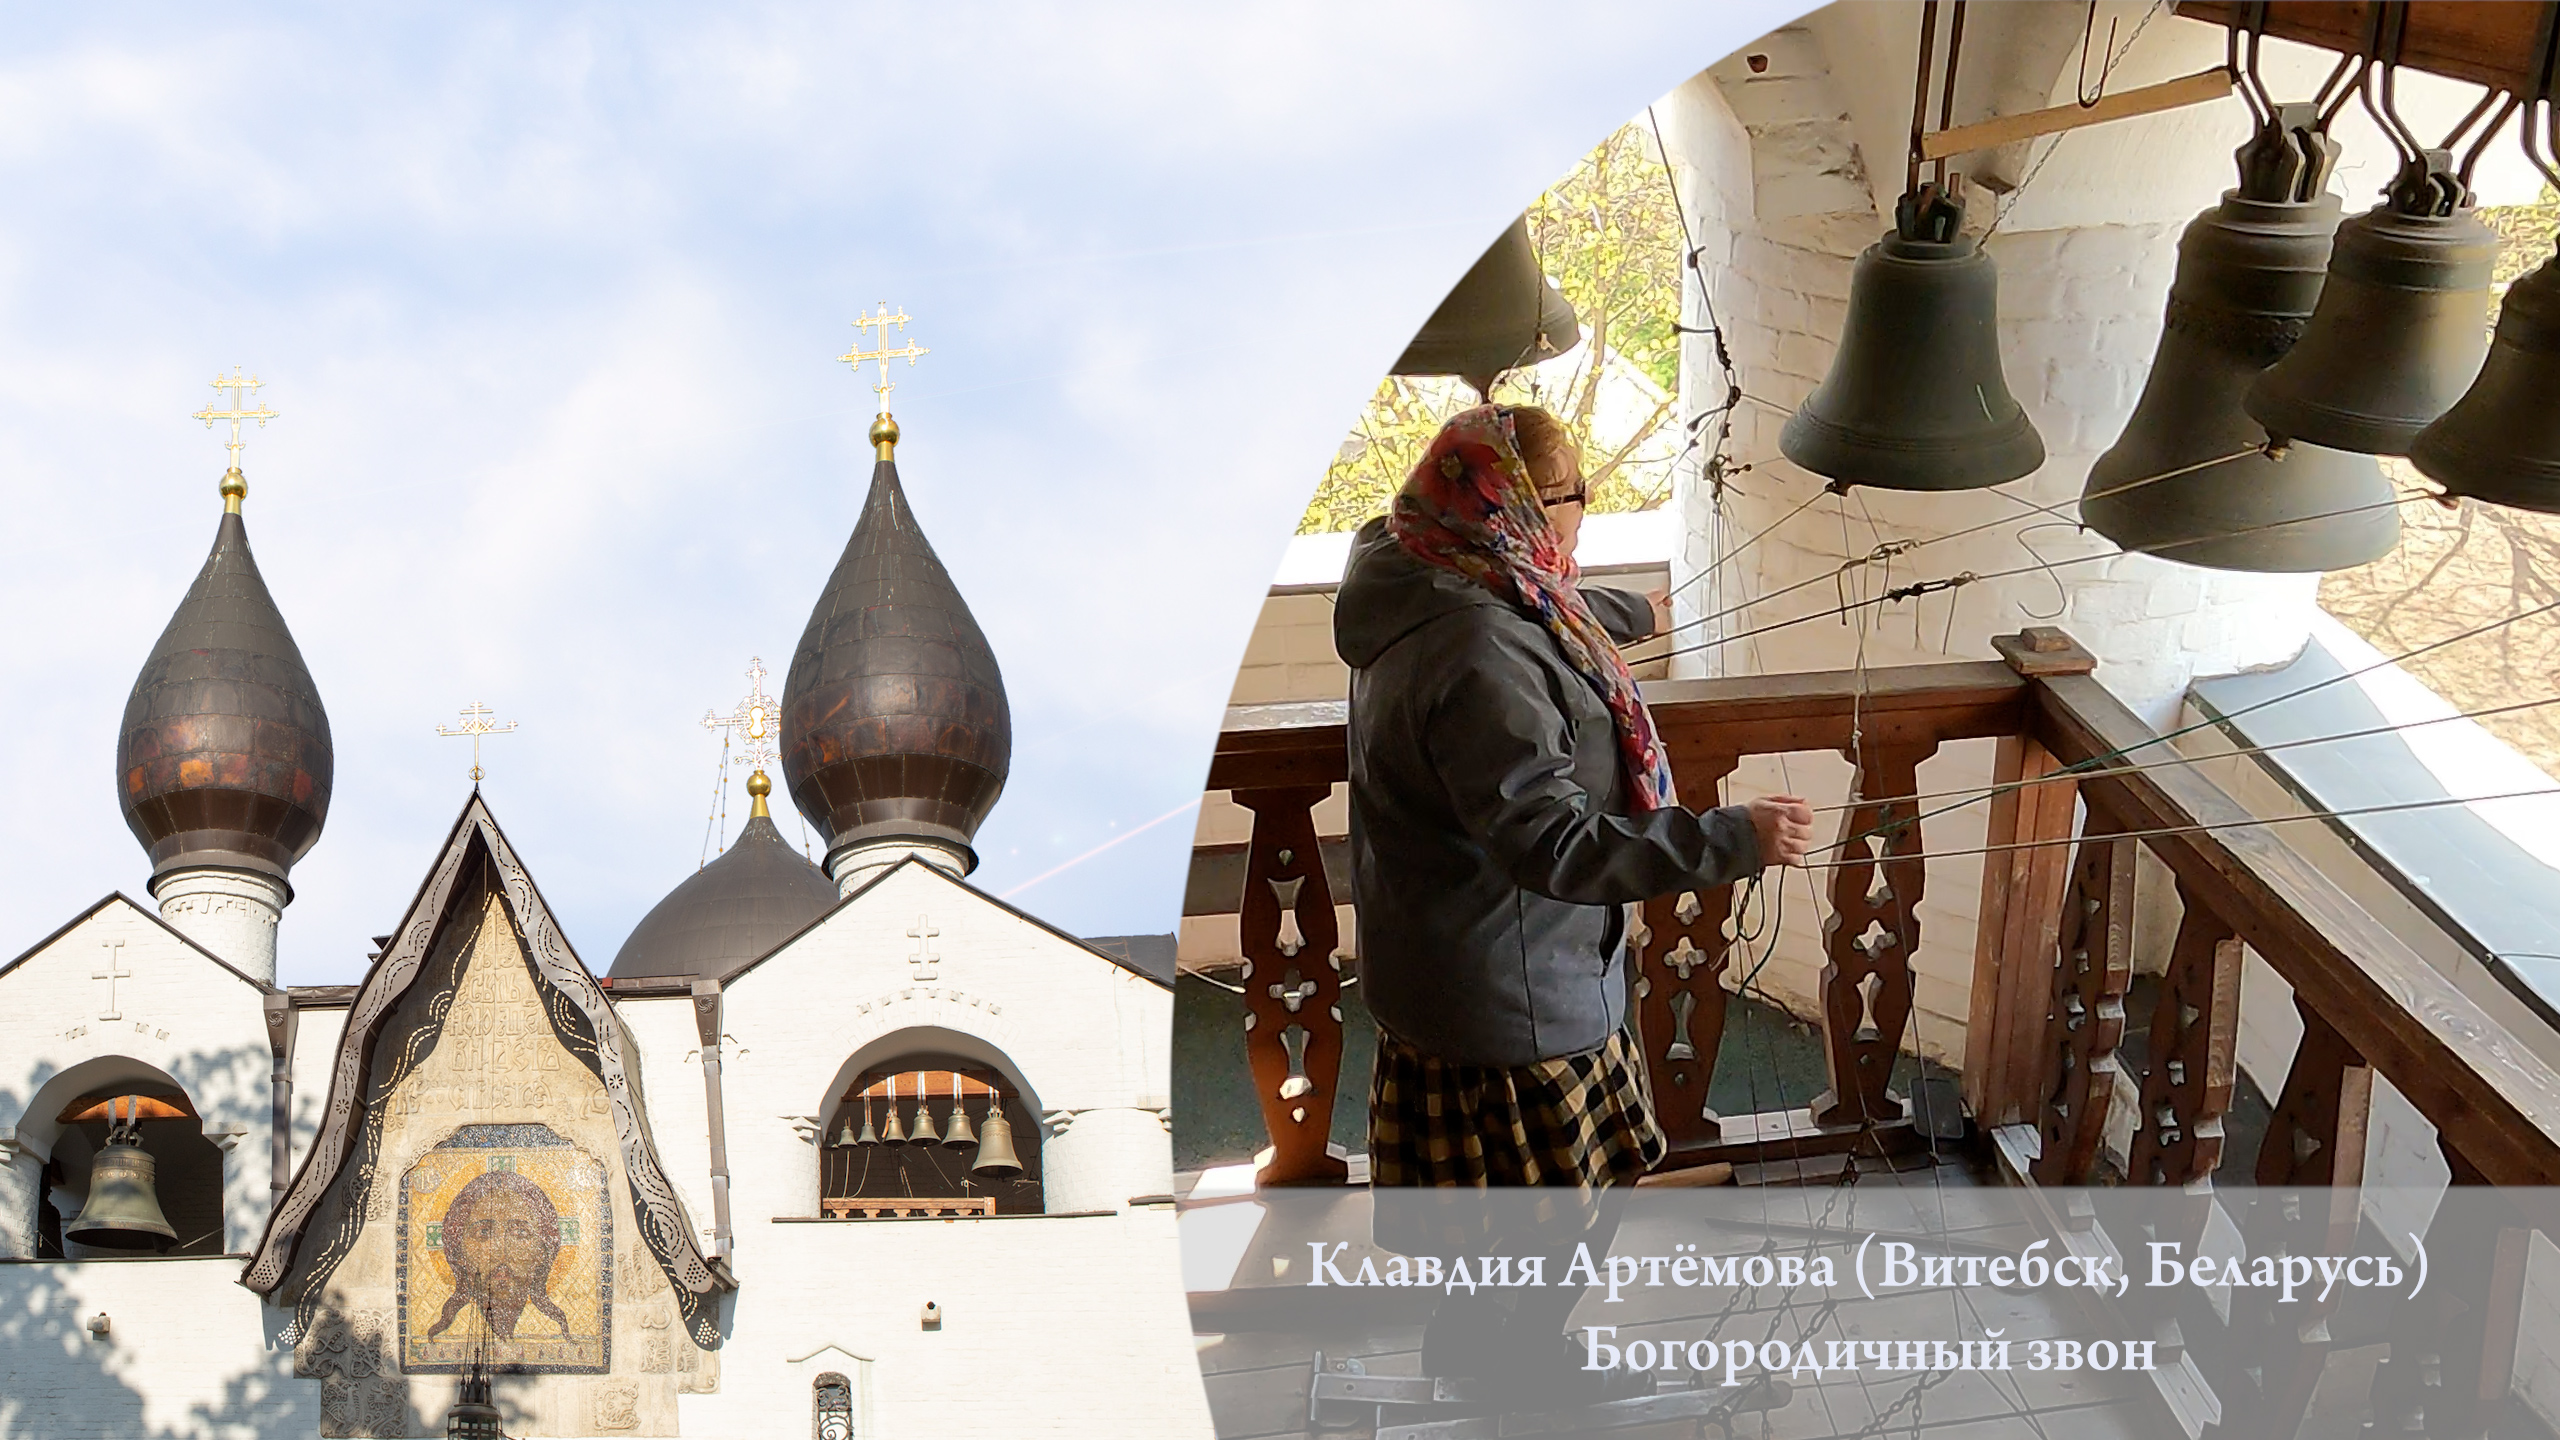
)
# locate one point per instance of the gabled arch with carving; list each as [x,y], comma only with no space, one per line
[477,862]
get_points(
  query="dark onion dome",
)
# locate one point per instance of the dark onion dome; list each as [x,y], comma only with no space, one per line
[894,721]
[224,757]
[759,893]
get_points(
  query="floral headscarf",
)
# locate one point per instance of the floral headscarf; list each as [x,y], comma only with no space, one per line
[1471,506]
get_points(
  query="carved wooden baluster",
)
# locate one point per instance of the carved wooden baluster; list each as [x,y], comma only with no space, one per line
[2084,1013]
[1292,984]
[1870,936]
[2311,1164]
[2453,1347]
[1680,994]
[2195,1032]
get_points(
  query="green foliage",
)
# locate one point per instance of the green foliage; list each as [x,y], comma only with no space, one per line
[1609,235]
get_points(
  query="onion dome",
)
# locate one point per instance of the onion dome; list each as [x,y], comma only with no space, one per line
[759,893]
[224,757]
[894,721]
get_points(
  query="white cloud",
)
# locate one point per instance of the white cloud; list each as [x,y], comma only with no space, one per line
[548,301]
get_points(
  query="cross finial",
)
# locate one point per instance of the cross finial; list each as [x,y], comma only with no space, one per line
[884,431]
[754,723]
[235,487]
[476,723]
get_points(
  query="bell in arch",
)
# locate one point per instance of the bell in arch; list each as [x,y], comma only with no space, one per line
[1915,399]
[123,1209]
[1502,314]
[892,1133]
[924,1133]
[995,1145]
[2175,484]
[868,1136]
[960,1136]
[2401,327]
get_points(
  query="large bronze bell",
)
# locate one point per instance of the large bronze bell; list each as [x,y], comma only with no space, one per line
[1501,315]
[2399,332]
[123,1209]
[2501,441]
[2249,276]
[995,1145]
[1915,399]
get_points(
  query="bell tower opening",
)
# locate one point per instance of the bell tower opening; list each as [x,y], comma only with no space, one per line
[131,1173]
[929,1134]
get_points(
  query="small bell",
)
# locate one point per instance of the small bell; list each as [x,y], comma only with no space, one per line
[2249,275]
[845,1139]
[868,1136]
[1915,399]
[893,1133]
[1502,314]
[924,1133]
[960,1136]
[123,1208]
[2501,441]
[995,1145]
[2401,327]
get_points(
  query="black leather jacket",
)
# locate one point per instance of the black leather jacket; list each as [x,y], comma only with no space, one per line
[1491,850]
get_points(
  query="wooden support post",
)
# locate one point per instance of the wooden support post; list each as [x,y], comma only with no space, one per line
[1679,987]
[1292,984]
[2200,88]
[2084,1014]
[2453,1347]
[2021,912]
[1871,936]
[2195,1037]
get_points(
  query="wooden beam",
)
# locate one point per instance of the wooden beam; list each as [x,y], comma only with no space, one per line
[2491,1098]
[2484,44]
[2201,88]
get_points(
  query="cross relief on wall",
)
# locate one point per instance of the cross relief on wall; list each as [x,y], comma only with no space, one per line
[113,972]
[922,932]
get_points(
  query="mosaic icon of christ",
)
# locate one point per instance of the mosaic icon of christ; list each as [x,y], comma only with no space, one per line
[501,1238]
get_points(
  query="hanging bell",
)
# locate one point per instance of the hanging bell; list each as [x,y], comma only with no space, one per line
[123,1209]
[1501,315]
[995,1145]
[893,1133]
[2501,441]
[924,1133]
[960,1136]
[845,1138]
[2401,327]
[2249,275]
[1915,399]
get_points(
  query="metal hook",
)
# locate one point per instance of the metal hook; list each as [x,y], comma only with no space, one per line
[2080,85]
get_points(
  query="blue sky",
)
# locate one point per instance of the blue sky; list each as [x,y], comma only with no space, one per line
[549,302]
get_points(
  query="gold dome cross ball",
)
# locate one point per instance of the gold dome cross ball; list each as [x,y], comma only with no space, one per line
[755,723]
[235,486]
[884,431]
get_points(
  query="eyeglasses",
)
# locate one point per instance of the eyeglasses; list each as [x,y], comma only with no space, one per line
[1578,497]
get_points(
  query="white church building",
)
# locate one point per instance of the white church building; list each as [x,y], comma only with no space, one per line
[852,1152]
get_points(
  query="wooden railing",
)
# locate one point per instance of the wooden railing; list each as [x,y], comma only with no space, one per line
[2053,960]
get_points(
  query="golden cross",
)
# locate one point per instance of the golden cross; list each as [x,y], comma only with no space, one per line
[755,719]
[858,357]
[475,723]
[239,384]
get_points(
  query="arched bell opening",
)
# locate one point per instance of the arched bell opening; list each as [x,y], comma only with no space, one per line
[127,1167]
[916,1132]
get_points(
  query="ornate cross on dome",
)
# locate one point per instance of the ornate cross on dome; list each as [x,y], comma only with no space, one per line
[475,723]
[879,325]
[753,722]
[234,487]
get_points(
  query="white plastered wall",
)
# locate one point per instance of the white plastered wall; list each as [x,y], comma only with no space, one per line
[1089,1042]
[175,1013]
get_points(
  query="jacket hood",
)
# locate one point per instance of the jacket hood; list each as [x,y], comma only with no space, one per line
[1387,594]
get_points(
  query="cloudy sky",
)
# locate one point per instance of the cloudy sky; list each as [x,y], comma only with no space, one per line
[549,304]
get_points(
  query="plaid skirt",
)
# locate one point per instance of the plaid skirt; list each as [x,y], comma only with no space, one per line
[1583,1121]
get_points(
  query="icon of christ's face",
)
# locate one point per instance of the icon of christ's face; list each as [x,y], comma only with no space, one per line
[501,1237]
